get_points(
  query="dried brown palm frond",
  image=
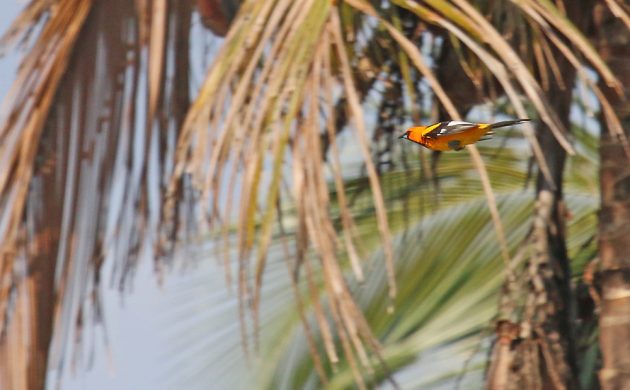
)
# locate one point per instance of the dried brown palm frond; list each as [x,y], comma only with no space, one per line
[301,48]
[79,178]
[22,126]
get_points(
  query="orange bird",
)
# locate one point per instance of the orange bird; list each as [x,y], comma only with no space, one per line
[454,135]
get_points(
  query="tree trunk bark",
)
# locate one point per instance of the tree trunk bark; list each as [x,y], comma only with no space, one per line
[535,347]
[613,279]
[537,352]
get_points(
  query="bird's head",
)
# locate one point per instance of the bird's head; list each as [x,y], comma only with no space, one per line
[405,135]
[413,133]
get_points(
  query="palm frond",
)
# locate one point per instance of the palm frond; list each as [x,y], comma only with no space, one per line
[446,299]
[80,179]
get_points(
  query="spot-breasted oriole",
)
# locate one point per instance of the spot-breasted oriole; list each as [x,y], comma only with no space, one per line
[454,135]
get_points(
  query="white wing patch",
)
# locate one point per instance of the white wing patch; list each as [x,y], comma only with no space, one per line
[457,123]
[455,126]
[450,127]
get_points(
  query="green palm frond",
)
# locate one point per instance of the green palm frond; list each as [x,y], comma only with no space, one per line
[447,297]
[448,288]
[448,267]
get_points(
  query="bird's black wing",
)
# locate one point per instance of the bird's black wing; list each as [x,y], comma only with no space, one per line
[447,128]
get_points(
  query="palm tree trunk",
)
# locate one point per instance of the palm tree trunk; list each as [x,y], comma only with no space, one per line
[614,223]
[537,351]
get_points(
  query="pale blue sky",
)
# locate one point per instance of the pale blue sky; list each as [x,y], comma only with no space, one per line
[8,64]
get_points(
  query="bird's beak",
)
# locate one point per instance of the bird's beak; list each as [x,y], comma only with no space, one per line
[403,136]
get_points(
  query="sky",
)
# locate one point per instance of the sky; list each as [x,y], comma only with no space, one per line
[8,63]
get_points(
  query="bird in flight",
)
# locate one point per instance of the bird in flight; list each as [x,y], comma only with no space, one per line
[454,135]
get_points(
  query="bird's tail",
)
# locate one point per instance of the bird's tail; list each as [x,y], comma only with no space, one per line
[508,123]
